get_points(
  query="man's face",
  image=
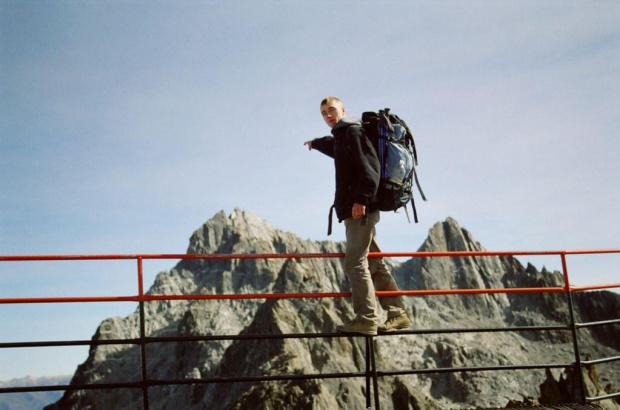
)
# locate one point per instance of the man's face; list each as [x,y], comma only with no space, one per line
[332,112]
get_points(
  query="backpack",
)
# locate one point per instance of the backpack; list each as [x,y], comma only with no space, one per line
[397,154]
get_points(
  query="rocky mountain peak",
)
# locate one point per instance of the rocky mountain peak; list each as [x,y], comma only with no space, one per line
[449,236]
[455,272]
[221,233]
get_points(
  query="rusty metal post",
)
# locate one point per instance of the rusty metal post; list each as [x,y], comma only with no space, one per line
[573,327]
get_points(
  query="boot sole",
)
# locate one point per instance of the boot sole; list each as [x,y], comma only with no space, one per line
[359,333]
[394,329]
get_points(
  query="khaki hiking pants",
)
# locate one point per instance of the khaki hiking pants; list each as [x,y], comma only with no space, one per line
[367,274]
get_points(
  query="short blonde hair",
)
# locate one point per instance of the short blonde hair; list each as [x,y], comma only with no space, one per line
[327,100]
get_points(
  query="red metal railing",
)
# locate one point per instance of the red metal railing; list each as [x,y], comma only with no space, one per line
[141,297]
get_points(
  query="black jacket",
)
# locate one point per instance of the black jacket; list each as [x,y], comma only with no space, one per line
[357,165]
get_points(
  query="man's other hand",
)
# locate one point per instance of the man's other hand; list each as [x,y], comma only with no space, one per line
[358,211]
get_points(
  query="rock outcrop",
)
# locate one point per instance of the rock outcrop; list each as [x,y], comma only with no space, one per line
[244,233]
[563,387]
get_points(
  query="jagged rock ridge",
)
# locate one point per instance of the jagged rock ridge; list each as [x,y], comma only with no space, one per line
[242,232]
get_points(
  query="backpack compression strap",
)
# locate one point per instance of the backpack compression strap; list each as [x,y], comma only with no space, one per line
[415,213]
[329,222]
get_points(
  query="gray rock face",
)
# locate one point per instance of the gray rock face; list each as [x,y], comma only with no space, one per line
[243,233]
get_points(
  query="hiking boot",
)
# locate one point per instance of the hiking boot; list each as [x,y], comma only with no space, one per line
[358,327]
[401,321]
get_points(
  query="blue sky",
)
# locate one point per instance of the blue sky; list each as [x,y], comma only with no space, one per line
[126,125]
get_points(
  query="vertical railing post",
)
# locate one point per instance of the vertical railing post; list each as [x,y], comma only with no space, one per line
[367,372]
[573,326]
[145,388]
[373,364]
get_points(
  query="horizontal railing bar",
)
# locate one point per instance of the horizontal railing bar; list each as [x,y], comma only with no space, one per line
[215,338]
[186,256]
[591,251]
[247,296]
[472,369]
[161,382]
[598,361]
[64,387]
[594,287]
[600,323]
[282,377]
[599,398]
[328,335]
[29,258]
[69,299]
[475,330]
[14,258]
[62,343]
[393,293]
[435,292]
[208,338]
[348,294]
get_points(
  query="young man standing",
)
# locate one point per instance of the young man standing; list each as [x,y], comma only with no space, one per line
[357,179]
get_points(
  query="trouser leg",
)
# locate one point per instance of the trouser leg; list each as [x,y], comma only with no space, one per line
[383,280]
[359,238]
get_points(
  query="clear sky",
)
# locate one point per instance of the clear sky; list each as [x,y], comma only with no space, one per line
[124,126]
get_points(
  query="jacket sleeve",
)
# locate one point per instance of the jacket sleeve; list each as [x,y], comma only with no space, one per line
[365,158]
[324,145]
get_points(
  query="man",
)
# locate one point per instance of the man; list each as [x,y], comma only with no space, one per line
[357,180]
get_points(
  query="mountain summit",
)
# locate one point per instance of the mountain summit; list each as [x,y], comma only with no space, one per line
[243,233]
